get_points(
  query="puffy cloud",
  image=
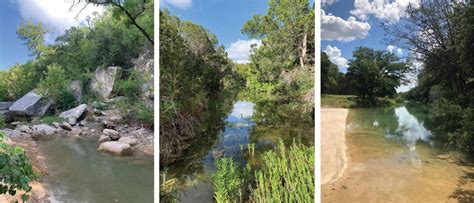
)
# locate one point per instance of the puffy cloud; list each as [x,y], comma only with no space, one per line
[57,14]
[239,51]
[336,28]
[328,2]
[182,4]
[335,56]
[394,49]
[384,10]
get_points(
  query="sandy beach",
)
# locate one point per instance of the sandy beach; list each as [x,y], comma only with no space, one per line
[333,144]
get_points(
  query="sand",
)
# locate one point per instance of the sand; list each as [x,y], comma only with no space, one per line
[333,144]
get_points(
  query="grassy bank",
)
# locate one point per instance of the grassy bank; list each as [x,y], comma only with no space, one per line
[351,101]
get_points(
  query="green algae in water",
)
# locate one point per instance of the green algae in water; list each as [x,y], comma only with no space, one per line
[79,173]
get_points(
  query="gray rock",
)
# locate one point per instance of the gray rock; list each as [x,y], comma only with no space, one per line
[76,88]
[112,134]
[116,148]
[103,81]
[30,104]
[66,126]
[104,138]
[43,130]
[5,105]
[11,133]
[128,140]
[144,67]
[56,125]
[73,114]
[24,129]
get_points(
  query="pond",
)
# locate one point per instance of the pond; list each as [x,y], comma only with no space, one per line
[243,138]
[79,173]
[394,157]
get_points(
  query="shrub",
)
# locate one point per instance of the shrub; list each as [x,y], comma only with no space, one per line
[16,170]
[65,100]
[15,82]
[146,115]
[447,121]
[130,88]
[54,86]
[2,121]
[286,176]
[229,180]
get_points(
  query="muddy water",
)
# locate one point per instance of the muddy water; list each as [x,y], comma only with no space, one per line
[79,173]
[393,158]
[240,131]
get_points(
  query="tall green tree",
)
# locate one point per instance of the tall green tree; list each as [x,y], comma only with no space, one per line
[375,73]
[329,75]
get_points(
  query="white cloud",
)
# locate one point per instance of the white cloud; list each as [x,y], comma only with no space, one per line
[182,4]
[336,28]
[56,14]
[383,9]
[328,2]
[394,49]
[239,51]
[335,56]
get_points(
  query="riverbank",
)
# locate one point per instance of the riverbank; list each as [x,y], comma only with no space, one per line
[333,144]
[351,101]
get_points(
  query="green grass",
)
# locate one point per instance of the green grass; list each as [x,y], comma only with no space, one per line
[351,101]
[338,101]
[286,175]
[2,122]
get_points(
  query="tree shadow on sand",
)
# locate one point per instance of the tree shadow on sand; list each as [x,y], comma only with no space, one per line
[464,192]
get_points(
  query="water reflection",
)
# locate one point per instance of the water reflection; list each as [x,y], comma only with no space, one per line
[410,128]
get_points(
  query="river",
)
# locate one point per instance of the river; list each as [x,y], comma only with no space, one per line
[394,158]
[240,134]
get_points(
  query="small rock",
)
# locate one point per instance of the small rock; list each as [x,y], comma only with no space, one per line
[11,133]
[116,148]
[24,129]
[83,123]
[109,124]
[66,126]
[444,156]
[43,129]
[112,134]
[76,131]
[56,125]
[128,140]
[104,138]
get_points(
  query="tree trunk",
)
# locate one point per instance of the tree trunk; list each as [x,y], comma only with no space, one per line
[303,49]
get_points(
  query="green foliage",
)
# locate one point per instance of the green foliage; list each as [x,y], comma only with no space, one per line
[329,73]
[286,176]
[34,36]
[55,86]
[229,180]
[2,121]
[146,115]
[375,74]
[16,171]
[15,82]
[130,88]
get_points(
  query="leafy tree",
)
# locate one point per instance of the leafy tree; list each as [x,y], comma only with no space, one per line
[329,75]
[34,37]
[375,73]
[16,82]
[54,86]
[16,170]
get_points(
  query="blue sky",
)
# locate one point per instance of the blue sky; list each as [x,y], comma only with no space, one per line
[347,24]
[223,18]
[12,49]
[54,14]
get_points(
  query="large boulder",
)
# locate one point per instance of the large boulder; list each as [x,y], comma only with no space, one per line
[144,67]
[116,148]
[103,81]
[72,115]
[31,104]
[43,130]
[76,88]
[11,133]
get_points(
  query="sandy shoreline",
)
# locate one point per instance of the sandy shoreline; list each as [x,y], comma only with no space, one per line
[333,144]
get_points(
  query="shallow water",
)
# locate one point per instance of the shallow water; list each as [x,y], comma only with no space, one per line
[79,173]
[239,131]
[393,158]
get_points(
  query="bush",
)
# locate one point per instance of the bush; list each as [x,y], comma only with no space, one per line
[146,115]
[286,176]
[229,180]
[447,121]
[54,86]
[65,100]
[16,170]
[130,88]
[15,82]
[2,121]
